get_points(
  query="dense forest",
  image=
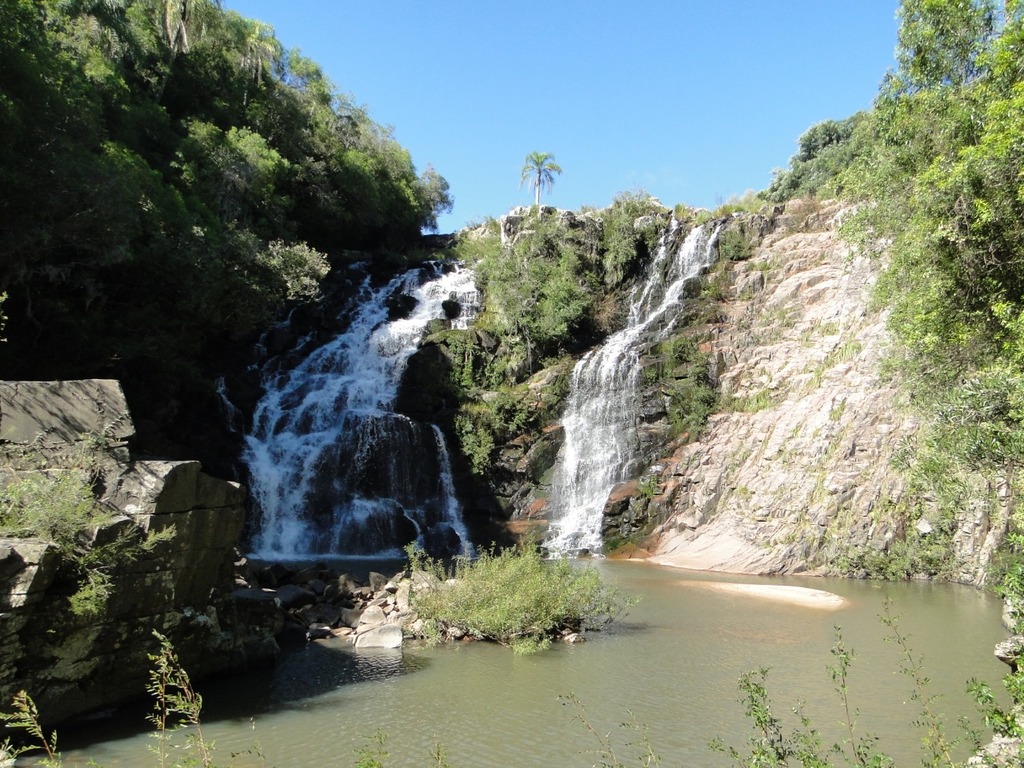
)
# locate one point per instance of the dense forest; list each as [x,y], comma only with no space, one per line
[171,177]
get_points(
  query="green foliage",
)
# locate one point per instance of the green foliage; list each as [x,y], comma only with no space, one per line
[937,745]
[906,558]
[476,438]
[639,746]
[372,753]
[1002,720]
[735,244]
[753,402]
[683,378]
[769,744]
[539,169]
[941,44]
[824,152]
[632,226]
[1007,573]
[170,176]
[538,291]
[514,597]
[60,506]
[940,185]
[773,743]
[176,707]
[500,416]
[24,717]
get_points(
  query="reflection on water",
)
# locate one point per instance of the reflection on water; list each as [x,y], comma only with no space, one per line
[673,661]
[302,676]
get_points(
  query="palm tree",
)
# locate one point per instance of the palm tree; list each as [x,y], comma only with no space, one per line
[260,49]
[539,169]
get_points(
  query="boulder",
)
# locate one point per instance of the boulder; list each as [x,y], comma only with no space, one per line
[62,412]
[371,616]
[381,636]
[350,617]
[1009,651]
[293,596]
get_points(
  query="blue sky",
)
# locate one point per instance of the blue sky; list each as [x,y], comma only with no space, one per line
[694,101]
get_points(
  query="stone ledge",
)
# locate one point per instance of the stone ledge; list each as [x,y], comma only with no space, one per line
[63,411]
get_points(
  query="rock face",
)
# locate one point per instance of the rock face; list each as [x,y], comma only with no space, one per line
[182,587]
[796,468]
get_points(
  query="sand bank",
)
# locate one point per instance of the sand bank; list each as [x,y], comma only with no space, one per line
[805,596]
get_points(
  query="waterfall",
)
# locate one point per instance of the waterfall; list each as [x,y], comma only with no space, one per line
[602,413]
[333,469]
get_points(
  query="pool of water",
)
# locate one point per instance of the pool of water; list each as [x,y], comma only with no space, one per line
[672,663]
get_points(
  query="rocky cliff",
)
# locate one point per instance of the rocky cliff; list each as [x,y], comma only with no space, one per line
[801,465]
[795,471]
[182,585]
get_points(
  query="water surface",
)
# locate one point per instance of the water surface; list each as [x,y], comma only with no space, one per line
[673,662]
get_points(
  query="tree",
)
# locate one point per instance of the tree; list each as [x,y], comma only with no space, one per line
[940,41]
[539,169]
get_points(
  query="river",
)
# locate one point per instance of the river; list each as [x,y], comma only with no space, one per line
[672,662]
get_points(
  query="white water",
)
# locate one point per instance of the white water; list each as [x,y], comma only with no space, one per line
[601,418]
[333,470]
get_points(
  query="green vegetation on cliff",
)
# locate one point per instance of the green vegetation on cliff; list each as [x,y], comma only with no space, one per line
[940,185]
[170,176]
[552,283]
[935,169]
[555,283]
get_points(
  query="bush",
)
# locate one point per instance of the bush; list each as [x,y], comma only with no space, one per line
[632,226]
[59,506]
[513,597]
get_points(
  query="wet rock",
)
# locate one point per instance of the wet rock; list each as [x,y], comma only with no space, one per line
[319,632]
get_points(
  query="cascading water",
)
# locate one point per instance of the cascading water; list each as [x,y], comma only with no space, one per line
[333,469]
[602,413]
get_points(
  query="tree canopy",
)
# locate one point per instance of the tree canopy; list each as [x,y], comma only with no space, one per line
[170,175]
[939,178]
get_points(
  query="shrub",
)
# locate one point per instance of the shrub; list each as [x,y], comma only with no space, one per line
[632,226]
[59,506]
[513,597]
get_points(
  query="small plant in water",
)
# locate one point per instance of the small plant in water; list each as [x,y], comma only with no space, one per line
[638,746]
[513,597]
[25,718]
[176,706]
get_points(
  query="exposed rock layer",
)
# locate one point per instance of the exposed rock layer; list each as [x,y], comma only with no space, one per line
[72,664]
[797,467]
